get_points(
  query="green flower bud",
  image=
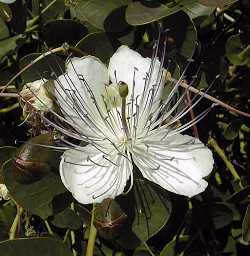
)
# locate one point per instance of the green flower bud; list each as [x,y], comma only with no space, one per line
[123,89]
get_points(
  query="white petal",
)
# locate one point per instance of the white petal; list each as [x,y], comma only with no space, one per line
[7,1]
[177,166]
[75,97]
[91,180]
[124,62]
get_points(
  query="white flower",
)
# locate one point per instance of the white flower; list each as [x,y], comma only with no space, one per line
[4,193]
[123,129]
[36,97]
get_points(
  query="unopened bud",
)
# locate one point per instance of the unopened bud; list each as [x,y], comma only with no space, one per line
[123,89]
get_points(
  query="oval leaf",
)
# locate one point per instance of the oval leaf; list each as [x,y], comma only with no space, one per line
[153,209]
[67,219]
[97,44]
[57,32]
[96,12]
[34,188]
[42,246]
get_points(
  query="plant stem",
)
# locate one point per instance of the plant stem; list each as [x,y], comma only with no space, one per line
[92,235]
[8,109]
[148,249]
[36,18]
[72,233]
[66,235]
[14,225]
[48,228]
[213,143]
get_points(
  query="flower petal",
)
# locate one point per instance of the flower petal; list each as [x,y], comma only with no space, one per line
[125,63]
[177,166]
[93,177]
[79,92]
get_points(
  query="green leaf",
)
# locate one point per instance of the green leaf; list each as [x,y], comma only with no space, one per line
[4,31]
[240,195]
[7,215]
[222,215]
[97,44]
[33,180]
[96,12]
[236,52]
[174,247]
[230,247]
[67,219]
[42,68]
[194,9]
[139,14]
[8,45]
[6,153]
[220,3]
[231,132]
[182,33]
[57,32]
[42,246]
[246,225]
[153,209]
[54,11]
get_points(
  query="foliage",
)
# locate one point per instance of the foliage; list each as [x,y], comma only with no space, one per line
[41,217]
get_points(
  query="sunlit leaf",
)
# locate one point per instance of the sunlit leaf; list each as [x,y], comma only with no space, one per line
[42,246]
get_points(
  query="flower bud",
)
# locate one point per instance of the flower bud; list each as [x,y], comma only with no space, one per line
[4,193]
[123,89]
[35,96]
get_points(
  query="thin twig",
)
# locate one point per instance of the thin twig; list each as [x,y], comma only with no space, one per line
[9,95]
[207,96]
[58,49]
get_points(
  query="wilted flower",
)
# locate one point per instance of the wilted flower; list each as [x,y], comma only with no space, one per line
[35,97]
[120,112]
[4,193]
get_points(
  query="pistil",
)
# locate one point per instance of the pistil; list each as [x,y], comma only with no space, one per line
[123,92]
